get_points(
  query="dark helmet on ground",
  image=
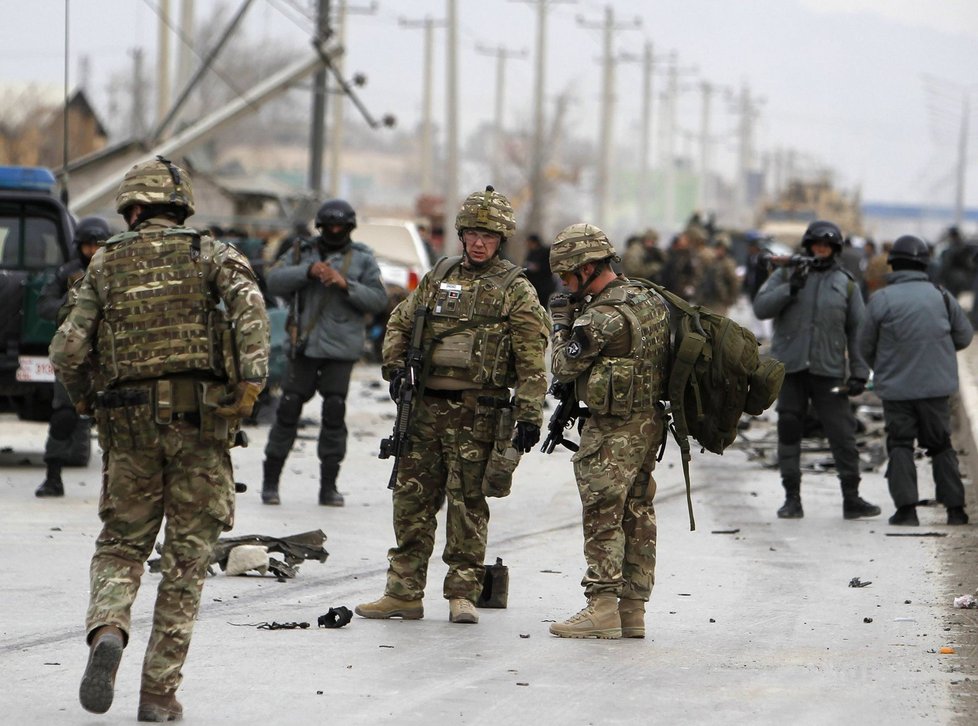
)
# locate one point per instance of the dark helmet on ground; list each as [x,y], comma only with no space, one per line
[336,211]
[154,182]
[91,229]
[822,231]
[910,248]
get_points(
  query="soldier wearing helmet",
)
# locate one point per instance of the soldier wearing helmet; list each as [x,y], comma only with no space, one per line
[816,307]
[478,407]
[166,343]
[611,345]
[911,335]
[67,431]
[334,282]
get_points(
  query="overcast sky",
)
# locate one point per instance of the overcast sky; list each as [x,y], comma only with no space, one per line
[871,88]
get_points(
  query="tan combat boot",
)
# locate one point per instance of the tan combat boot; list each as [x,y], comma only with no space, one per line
[98,684]
[391,607]
[461,610]
[599,619]
[632,613]
[158,709]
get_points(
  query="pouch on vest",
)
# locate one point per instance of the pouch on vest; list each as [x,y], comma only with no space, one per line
[497,481]
[214,427]
[127,426]
[495,586]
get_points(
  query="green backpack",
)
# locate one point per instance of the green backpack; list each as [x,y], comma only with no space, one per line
[716,375]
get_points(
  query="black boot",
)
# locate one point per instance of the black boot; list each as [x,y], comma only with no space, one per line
[957,515]
[269,486]
[854,506]
[328,496]
[791,509]
[906,515]
[52,486]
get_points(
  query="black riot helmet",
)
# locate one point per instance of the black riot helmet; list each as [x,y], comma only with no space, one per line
[911,251]
[336,212]
[91,229]
[822,231]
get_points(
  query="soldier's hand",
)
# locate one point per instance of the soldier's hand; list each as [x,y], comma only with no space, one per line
[241,403]
[526,437]
[799,276]
[563,311]
[855,386]
[397,380]
[82,408]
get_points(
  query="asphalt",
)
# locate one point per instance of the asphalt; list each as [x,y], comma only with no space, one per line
[752,620]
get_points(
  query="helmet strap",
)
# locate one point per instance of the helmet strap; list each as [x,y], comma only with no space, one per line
[582,284]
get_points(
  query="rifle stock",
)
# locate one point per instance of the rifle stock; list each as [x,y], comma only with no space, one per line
[567,412]
[411,387]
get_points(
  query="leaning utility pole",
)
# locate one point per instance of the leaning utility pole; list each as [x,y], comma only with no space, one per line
[501,55]
[427,144]
[451,243]
[318,127]
[602,190]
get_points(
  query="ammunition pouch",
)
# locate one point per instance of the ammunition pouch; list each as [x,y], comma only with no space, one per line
[497,481]
[124,417]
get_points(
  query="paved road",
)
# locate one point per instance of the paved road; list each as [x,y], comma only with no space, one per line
[752,620]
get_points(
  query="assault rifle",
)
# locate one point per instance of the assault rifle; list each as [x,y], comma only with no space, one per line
[567,412]
[411,386]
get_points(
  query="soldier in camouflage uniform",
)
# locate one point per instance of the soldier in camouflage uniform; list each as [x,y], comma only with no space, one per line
[484,333]
[147,349]
[614,351]
[67,429]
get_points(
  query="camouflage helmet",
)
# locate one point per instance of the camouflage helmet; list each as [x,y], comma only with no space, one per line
[158,181]
[487,210]
[578,244]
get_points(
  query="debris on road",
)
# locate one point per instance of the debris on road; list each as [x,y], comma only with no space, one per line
[966,601]
[856,582]
[336,617]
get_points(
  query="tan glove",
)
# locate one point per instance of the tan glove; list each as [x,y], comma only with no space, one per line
[242,402]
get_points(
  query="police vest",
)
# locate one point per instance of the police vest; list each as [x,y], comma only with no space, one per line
[468,334]
[159,315]
[629,376]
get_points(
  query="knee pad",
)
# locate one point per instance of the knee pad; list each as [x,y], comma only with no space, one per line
[289,410]
[334,411]
[63,422]
[945,445]
[790,428]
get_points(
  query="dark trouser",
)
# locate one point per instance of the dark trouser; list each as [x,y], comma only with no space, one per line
[832,410]
[928,420]
[64,428]
[331,378]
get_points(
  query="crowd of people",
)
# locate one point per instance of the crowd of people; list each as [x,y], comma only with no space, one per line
[164,340]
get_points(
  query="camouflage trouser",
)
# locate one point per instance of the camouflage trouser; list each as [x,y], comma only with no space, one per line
[449,447]
[189,482]
[614,476]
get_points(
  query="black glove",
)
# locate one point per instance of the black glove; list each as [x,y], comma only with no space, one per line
[526,437]
[799,276]
[397,380]
[562,311]
[855,386]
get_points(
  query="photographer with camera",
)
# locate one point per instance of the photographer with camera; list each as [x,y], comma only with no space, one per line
[816,308]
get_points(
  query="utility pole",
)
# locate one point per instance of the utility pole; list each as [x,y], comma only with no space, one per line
[645,148]
[603,184]
[748,108]
[451,126]
[163,61]
[318,109]
[501,55]
[137,121]
[427,145]
[669,141]
[185,63]
[962,162]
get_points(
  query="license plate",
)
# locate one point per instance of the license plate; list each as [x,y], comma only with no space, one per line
[35,369]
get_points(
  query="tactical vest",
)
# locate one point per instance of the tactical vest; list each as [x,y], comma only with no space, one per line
[159,315]
[467,334]
[629,376]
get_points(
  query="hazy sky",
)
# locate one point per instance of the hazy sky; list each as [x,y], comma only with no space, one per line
[871,88]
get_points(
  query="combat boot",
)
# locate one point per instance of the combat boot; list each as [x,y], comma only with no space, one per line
[272,472]
[600,619]
[158,709]
[632,614]
[52,486]
[98,684]
[957,515]
[854,506]
[791,509]
[391,607]
[461,610]
[905,515]
[328,496]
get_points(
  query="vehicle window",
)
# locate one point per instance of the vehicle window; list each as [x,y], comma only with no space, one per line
[9,241]
[41,248]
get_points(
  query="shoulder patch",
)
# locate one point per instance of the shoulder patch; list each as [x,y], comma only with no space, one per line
[574,349]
